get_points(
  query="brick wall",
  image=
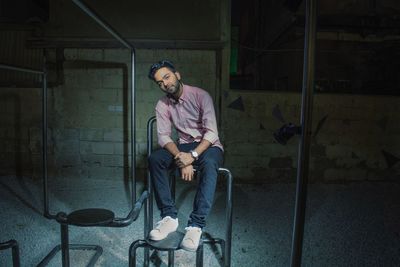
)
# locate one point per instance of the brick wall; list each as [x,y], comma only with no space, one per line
[357,137]
[90,111]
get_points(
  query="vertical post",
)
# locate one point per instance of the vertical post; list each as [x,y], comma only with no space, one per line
[200,255]
[44,138]
[148,218]
[306,121]
[171,259]
[64,245]
[15,255]
[85,8]
[13,244]
[133,127]
[228,234]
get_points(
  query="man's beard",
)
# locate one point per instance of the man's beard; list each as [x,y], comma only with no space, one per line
[173,89]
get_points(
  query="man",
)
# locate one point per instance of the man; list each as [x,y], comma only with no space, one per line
[190,110]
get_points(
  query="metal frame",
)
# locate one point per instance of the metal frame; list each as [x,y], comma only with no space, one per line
[13,244]
[226,244]
[105,218]
[43,74]
[306,121]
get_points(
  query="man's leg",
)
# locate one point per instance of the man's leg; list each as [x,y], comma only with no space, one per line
[208,164]
[160,163]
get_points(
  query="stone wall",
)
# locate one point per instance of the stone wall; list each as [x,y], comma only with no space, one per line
[354,137]
[90,111]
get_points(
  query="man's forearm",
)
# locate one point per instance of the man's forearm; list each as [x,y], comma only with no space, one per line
[172,148]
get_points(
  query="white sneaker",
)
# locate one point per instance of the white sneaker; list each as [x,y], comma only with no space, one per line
[163,228]
[191,239]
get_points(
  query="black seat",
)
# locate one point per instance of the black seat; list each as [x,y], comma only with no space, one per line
[89,218]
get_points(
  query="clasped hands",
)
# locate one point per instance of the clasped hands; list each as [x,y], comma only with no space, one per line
[184,161]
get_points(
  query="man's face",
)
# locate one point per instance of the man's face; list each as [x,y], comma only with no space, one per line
[168,81]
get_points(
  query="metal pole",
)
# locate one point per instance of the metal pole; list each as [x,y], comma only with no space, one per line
[148,218]
[306,121]
[9,67]
[228,235]
[133,127]
[15,255]
[102,23]
[150,127]
[114,33]
[44,140]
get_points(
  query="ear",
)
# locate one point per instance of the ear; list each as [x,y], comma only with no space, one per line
[178,75]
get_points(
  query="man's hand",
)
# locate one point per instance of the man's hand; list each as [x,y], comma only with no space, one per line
[183,159]
[187,173]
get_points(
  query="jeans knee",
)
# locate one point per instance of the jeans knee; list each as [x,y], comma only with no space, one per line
[159,158]
[155,158]
[151,159]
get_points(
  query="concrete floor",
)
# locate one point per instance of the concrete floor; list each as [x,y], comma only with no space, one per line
[347,224]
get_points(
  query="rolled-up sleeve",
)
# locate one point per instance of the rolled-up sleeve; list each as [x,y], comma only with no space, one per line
[164,124]
[209,119]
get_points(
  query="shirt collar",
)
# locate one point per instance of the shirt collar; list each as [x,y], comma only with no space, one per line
[182,98]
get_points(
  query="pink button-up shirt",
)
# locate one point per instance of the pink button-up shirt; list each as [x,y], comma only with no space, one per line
[192,115]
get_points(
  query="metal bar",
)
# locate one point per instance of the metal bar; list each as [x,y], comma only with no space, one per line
[49,256]
[149,205]
[150,127]
[104,24]
[228,217]
[64,245]
[44,141]
[200,255]
[171,258]
[117,36]
[13,244]
[228,237]
[21,69]
[15,255]
[133,127]
[72,42]
[306,121]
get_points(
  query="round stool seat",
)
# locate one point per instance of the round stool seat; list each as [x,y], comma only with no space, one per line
[90,217]
[171,242]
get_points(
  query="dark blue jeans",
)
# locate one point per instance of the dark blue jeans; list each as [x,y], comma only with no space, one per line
[161,162]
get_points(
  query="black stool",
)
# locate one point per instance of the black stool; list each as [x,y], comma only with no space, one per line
[172,242]
[15,251]
[89,218]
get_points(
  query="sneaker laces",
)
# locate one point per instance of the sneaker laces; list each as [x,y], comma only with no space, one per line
[159,224]
[190,228]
